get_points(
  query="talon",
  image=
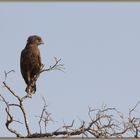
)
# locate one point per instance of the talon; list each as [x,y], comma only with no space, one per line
[29,95]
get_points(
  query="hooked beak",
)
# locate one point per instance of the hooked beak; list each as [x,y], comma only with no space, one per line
[41,43]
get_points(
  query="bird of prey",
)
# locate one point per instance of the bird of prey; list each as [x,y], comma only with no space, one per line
[30,62]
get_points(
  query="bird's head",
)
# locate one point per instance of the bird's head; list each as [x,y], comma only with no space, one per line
[35,40]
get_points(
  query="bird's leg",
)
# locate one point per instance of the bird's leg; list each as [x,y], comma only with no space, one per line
[28,88]
[28,92]
[33,86]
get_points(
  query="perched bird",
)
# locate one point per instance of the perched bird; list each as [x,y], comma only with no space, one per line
[30,62]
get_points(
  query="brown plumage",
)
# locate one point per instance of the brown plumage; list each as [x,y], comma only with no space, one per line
[30,62]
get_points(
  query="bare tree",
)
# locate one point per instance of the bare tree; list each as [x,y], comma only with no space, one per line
[104,122]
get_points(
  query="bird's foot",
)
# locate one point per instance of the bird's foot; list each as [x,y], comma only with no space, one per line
[29,92]
[29,95]
[42,65]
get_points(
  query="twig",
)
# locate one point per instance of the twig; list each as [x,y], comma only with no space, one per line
[6,73]
[56,66]
[44,117]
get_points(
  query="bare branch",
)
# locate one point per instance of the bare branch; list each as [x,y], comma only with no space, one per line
[133,109]
[67,127]
[11,91]
[102,125]
[45,117]
[7,73]
[20,105]
[56,66]
[9,118]
[134,123]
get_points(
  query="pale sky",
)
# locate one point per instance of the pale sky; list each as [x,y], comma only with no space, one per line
[99,43]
